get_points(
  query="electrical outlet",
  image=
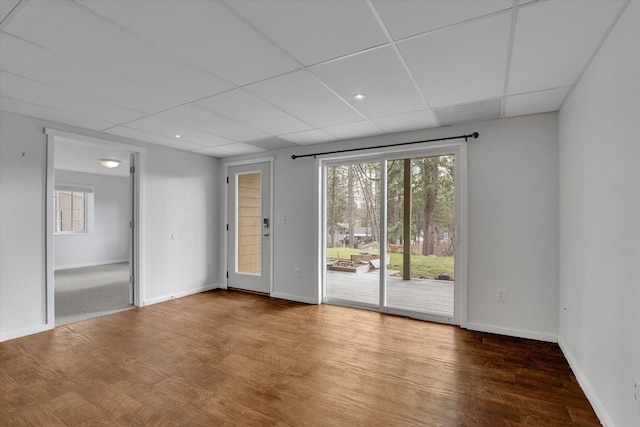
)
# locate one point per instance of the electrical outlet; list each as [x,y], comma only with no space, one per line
[501,294]
[296,271]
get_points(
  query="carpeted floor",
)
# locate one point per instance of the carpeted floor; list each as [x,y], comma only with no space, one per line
[88,292]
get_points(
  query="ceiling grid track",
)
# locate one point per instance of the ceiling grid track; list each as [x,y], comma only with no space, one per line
[512,34]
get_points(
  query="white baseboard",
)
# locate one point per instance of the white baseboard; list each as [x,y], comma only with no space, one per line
[6,336]
[90,264]
[592,397]
[180,294]
[520,333]
[296,298]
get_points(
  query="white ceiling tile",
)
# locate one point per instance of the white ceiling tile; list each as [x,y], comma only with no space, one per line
[314,136]
[204,32]
[237,148]
[200,118]
[152,137]
[245,107]
[468,113]
[272,143]
[314,31]
[303,96]
[72,30]
[212,151]
[170,129]
[6,6]
[38,93]
[46,113]
[379,74]
[404,18]
[28,60]
[535,102]
[460,64]
[554,40]
[354,130]
[408,121]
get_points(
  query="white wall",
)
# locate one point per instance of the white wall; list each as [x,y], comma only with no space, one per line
[183,198]
[513,222]
[181,193]
[108,241]
[22,209]
[600,225]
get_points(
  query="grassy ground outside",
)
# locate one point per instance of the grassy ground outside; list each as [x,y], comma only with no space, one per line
[421,266]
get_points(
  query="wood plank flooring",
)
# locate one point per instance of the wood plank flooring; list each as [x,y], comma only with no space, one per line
[225,358]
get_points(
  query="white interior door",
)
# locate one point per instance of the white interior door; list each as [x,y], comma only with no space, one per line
[249,228]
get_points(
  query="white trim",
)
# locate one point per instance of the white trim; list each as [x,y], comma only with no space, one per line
[248,162]
[180,294]
[512,332]
[90,264]
[592,397]
[321,220]
[80,188]
[24,332]
[92,141]
[390,153]
[49,231]
[296,298]
[461,267]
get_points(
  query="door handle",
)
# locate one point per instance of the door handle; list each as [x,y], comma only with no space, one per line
[266,234]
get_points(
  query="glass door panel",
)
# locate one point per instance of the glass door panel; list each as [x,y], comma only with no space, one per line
[420,235]
[353,234]
[249,235]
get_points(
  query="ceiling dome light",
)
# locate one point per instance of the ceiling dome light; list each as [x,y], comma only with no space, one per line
[110,163]
[359,96]
[177,136]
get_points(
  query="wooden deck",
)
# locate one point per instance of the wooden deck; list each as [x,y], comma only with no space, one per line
[420,295]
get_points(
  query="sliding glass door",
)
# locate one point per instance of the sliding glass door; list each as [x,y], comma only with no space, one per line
[353,233]
[420,234]
[390,230]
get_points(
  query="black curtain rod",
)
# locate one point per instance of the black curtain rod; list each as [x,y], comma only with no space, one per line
[466,138]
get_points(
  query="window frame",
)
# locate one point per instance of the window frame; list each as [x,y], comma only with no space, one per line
[87,208]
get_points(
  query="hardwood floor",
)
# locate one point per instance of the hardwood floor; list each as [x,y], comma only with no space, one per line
[229,358]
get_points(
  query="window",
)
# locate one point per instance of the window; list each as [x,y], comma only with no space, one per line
[71,209]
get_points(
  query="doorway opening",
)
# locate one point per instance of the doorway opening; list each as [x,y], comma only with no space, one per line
[92,232]
[391,234]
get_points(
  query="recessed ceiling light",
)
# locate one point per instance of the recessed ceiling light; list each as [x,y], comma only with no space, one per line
[359,96]
[110,163]
[177,136]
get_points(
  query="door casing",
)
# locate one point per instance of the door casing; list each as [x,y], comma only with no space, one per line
[137,154]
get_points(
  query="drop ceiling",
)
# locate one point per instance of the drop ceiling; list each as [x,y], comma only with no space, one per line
[236,77]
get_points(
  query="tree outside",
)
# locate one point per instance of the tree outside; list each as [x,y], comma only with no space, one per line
[353,212]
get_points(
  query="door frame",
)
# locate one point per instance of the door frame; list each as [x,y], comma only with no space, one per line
[137,212]
[459,149]
[225,249]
